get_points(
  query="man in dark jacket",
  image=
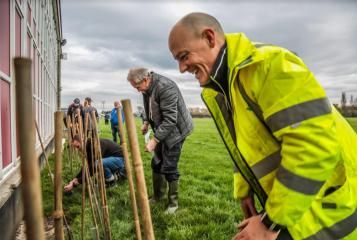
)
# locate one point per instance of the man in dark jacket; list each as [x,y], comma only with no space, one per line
[88,109]
[75,109]
[166,113]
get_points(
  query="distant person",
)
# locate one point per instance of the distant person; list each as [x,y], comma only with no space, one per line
[114,120]
[291,148]
[142,115]
[168,116]
[75,111]
[112,157]
[89,109]
[85,103]
[106,118]
[73,108]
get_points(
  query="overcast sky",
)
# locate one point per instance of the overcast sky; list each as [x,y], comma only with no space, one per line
[106,38]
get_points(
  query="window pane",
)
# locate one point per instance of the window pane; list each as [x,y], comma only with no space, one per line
[5,123]
[29,15]
[5,36]
[17,34]
[28,45]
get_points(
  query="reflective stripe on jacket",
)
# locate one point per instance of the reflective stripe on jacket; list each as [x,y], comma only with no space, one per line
[291,147]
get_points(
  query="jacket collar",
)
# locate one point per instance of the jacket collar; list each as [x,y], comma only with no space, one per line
[153,83]
[219,72]
[236,52]
[241,53]
[239,48]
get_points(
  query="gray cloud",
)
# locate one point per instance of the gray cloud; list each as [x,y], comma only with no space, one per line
[106,38]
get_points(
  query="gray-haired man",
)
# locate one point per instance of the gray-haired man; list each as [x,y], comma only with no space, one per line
[167,114]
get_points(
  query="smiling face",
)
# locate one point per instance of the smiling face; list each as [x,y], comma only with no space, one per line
[195,53]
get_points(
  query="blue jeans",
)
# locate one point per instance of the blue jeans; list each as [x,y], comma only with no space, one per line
[112,165]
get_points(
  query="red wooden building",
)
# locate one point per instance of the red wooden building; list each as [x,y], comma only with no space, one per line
[28,28]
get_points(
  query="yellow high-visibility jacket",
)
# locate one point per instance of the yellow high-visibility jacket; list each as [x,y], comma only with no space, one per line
[291,147]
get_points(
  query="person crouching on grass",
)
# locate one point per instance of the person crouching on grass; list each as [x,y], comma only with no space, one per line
[112,157]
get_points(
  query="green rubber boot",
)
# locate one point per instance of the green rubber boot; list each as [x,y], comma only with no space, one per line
[159,186]
[173,197]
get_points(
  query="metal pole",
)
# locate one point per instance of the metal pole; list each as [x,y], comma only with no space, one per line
[139,170]
[129,175]
[59,88]
[30,170]
[58,214]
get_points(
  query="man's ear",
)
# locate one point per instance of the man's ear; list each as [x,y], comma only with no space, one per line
[210,36]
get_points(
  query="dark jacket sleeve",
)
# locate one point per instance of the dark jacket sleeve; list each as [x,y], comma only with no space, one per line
[144,117]
[168,107]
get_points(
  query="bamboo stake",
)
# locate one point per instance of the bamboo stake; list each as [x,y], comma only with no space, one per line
[91,199]
[30,171]
[44,153]
[93,165]
[90,186]
[58,214]
[84,163]
[95,183]
[139,170]
[83,196]
[51,176]
[101,182]
[80,126]
[129,175]
[70,148]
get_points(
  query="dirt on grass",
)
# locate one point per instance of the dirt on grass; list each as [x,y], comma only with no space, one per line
[49,230]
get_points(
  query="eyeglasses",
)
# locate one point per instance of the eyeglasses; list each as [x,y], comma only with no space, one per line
[137,85]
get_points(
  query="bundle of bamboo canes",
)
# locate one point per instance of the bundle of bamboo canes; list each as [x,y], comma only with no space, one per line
[93,186]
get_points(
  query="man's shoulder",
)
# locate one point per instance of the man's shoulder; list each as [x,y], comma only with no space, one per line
[108,142]
[89,109]
[165,84]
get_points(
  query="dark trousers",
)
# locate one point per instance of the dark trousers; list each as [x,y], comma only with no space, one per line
[115,133]
[165,160]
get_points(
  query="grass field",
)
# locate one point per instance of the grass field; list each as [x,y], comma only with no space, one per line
[206,207]
[353,122]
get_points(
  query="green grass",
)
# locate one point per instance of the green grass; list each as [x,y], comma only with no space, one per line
[207,209]
[353,123]
[206,206]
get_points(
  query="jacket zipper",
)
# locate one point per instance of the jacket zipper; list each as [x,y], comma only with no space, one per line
[262,201]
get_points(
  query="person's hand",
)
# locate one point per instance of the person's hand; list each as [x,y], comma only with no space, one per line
[253,229]
[248,207]
[144,128]
[151,145]
[69,187]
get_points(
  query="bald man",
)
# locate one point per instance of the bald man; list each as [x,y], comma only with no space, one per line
[289,146]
